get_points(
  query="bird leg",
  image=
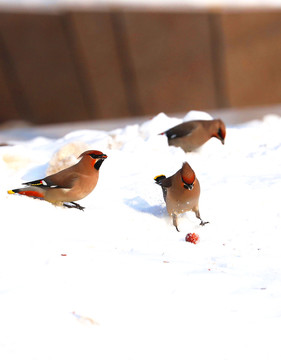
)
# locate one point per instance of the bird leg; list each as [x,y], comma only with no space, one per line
[74,205]
[202,223]
[175,221]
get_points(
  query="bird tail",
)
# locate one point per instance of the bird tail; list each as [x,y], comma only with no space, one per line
[28,191]
[158,179]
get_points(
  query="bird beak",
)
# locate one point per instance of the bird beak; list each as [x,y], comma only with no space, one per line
[188,186]
[222,141]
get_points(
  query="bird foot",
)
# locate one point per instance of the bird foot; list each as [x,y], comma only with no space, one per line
[74,206]
[202,223]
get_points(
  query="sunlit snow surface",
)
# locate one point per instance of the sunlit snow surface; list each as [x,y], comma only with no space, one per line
[117,281]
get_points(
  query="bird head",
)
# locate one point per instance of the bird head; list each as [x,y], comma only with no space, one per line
[186,184]
[97,157]
[187,176]
[219,130]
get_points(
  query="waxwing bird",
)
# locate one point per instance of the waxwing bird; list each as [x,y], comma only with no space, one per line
[190,135]
[68,185]
[181,193]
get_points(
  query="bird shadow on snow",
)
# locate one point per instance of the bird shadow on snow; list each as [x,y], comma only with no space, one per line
[139,204]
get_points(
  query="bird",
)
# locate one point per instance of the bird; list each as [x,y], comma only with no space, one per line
[68,185]
[190,135]
[181,193]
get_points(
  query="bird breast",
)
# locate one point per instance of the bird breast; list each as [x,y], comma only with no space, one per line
[180,200]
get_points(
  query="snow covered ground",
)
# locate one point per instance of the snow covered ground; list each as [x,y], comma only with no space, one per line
[117,281]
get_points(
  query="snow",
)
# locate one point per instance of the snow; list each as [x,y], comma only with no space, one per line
[117,281]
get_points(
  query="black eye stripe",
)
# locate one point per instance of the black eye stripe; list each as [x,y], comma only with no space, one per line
[97,156]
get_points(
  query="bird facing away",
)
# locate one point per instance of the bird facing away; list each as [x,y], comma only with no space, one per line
[68,185]
[190,135]
[181,193]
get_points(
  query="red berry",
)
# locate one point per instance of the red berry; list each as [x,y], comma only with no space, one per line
[192,237]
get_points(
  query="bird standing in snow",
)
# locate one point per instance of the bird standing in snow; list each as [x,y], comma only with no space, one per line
[68,185]
[190,135]
[181,193]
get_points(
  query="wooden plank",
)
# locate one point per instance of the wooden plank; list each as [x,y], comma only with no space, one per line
[41,58]
[252,43]
[218,59]
[8,108]
[171,60]
[99,62]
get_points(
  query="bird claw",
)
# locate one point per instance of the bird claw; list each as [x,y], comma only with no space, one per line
[74,206]
[202,223]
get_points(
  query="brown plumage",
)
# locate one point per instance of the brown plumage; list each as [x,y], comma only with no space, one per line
[190,135]
[68,185]
[181,193]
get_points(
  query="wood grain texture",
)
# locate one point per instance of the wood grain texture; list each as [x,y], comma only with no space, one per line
[99,62]
[41,59]
[172,62]
[252,45]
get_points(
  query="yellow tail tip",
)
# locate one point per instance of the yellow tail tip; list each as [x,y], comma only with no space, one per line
[10,192]
[158,176]
[158,179]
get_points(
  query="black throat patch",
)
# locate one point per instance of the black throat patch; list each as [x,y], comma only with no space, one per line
[98,164]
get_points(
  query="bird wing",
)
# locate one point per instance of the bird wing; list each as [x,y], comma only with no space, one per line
[55,181]
[180,130]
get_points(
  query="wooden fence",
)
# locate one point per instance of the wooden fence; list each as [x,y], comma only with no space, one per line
[94,64]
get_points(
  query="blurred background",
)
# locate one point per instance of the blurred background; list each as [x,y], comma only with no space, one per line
[68,61]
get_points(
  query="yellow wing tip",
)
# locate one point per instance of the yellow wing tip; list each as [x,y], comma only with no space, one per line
[10,192]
